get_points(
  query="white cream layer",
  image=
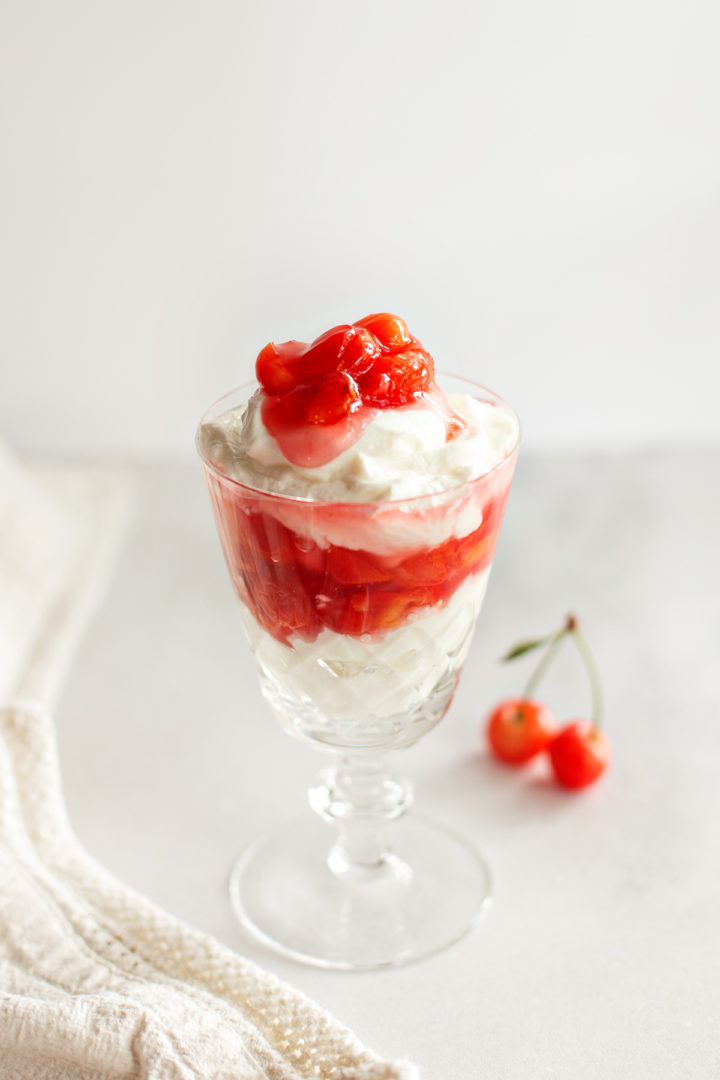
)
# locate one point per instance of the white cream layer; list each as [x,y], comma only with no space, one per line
[403,453]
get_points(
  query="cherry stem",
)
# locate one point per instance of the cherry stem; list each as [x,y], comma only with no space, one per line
[593,674]
[572,628]
[554,643]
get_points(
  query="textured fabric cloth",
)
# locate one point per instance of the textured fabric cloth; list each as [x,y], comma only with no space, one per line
[96,983]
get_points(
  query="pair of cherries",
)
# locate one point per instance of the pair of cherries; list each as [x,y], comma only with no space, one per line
[520,729]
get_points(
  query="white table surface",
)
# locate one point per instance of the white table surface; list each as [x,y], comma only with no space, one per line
[601,954]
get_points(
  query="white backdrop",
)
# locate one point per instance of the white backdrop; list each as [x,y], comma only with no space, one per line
[534,186]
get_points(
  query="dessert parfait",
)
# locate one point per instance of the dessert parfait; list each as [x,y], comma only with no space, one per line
[358,504]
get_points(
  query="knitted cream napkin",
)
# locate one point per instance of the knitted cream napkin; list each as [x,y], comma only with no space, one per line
[96,983]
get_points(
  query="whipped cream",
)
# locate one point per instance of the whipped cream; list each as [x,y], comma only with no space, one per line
[403,453]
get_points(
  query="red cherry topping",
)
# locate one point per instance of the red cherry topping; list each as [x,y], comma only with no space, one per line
[390,365]
[327,402]
[390,331]
[375,363]
[276,367]
[325,354]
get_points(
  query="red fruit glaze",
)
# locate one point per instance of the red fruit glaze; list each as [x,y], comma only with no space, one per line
[390,331]
[338,382]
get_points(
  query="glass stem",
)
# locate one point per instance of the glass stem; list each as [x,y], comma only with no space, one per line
[361,797]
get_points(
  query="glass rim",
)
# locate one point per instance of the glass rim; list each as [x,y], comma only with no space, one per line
[212,466]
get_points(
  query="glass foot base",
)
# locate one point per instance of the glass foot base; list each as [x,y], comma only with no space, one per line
[425,895]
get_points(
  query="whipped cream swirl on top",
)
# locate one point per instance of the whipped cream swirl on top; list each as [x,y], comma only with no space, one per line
[402,453]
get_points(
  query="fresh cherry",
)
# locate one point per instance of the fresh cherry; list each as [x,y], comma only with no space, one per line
[519,729]
[579,754]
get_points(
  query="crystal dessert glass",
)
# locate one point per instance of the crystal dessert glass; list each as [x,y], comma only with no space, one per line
[360,616]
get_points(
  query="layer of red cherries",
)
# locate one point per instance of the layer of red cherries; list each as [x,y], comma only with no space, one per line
[296,588]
